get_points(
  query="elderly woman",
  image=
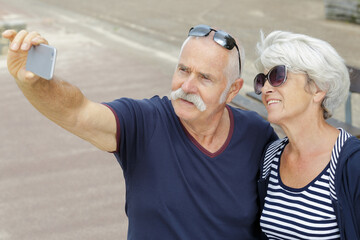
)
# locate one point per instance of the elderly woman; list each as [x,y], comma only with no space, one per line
[309,184]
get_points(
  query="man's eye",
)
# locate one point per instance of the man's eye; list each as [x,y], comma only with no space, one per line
[205,77]
[182,69]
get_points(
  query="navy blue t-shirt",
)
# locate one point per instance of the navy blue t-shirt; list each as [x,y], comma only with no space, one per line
[175,189]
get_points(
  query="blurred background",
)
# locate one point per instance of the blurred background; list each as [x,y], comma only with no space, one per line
[53,185]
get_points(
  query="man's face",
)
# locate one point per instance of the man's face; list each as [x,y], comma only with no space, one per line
[200,72]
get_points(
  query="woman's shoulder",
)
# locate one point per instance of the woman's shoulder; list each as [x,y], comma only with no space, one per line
[272,150]
[277,144]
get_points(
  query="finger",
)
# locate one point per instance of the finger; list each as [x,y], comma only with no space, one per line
[9,34]
[27,42]
[38,40]
[17,41]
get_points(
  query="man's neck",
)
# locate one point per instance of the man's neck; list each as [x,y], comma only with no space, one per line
[210,133]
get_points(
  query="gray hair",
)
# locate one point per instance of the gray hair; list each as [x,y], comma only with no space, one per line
[317,58]
[231,71]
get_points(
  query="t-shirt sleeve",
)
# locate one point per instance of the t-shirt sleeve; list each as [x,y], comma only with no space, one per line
[136,120]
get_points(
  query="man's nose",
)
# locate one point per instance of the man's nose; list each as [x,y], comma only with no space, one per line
[189,85]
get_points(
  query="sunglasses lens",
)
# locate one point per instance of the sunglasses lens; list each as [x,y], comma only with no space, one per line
[277,76]
[200,30]
[259,82]
[224,39]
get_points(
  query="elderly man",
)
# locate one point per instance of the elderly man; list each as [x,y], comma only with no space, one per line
[190,163]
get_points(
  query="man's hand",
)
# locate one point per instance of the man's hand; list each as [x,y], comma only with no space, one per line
[20,44]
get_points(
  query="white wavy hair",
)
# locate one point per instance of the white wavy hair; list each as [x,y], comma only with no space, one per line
[302,53]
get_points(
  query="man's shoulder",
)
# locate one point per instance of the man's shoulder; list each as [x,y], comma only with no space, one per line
[160,100]
[246,115]
[154,106]
[252,125]
[146,102]
[156,99]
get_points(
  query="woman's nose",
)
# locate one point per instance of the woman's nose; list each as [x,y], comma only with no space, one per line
[267,88]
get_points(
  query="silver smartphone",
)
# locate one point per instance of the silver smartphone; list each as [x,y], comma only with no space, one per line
[41,60]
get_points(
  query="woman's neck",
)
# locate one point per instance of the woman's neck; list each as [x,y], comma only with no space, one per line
[310,136]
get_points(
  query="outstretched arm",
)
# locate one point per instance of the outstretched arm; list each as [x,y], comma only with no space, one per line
[58,100]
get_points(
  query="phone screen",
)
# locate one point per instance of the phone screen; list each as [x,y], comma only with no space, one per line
[41,60]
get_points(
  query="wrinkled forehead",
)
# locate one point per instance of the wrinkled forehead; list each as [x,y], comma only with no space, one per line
[204,55]
[205,47]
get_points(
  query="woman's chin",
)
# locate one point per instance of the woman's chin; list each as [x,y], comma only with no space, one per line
[274,119]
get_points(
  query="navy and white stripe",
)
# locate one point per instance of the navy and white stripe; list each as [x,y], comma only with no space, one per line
[305,213]
[274,149]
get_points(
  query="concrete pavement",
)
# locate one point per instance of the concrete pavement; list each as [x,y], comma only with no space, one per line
[54,185]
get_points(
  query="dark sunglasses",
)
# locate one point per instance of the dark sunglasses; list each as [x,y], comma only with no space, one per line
[276,77]
[222,38]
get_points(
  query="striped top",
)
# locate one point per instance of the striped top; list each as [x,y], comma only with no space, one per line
[305,213]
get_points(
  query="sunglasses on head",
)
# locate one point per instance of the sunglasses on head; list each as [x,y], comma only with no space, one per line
[222,38]
[276,77]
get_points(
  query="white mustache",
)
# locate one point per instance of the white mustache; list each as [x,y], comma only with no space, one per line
[193,98]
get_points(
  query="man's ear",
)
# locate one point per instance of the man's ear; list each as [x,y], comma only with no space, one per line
[234,89]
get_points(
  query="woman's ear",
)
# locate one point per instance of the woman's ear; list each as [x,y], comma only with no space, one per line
[319,96]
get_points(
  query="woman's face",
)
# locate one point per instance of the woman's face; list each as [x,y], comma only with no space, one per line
[290,101]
